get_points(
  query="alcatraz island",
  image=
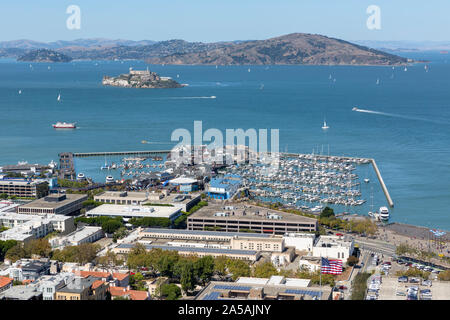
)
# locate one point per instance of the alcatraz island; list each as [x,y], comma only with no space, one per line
[141,79]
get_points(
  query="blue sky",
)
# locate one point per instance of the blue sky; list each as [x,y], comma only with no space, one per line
[214,20]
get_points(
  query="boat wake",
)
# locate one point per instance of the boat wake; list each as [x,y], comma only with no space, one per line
[210,97]
[400,116]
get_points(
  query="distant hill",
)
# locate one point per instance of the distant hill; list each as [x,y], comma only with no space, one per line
[296,48]
[44,55]
[82,43]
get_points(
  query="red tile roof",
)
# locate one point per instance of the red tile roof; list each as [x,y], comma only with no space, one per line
[4,281]
[120,276]
[97,283]
[133,294]
[97,274]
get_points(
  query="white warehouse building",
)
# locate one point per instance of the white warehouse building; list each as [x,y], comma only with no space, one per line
[333,247]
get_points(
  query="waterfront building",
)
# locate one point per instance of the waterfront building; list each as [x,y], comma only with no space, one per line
[223,188]
[249,218]
[184,184]
[24,188]
[60,204]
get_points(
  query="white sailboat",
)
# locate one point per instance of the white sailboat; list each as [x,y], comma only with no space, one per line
[378,81]
[325,126]
[59,97]
[248,70]
[20,91]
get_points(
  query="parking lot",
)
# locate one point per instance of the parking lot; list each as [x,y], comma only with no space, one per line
[388,290]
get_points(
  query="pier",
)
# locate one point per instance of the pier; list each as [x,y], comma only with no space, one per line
[383,185]
[120,153]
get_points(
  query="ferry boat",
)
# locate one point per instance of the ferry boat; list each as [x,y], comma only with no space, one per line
[64,125]
[384,214]
[81,177]
[109,179]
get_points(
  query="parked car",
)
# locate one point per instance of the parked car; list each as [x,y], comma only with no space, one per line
[427,283]
[403,279]
[400,293]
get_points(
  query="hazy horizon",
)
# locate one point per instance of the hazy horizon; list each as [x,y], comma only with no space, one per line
[215,21]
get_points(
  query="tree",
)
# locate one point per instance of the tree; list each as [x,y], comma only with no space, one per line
[167,262]
[110,259]
[205,268]
[111,226]
[352,260]
[220,265]
[137,258]
[5,246]
[238,268]
[16,253]
[327,212]
[39,247]
[3,196]
[264,270]
[137,282]
[187,278]
[170,291]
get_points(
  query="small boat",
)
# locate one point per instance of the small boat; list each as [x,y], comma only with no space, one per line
[248,70]
[378,81]
[64,125]
[105,167]
[366,180]
[59,97]
[406,69]
[81,177]
[325,126]
[213,97]
[20,91]
[355,109]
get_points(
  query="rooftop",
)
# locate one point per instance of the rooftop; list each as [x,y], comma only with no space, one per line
[21,292]
[82,233]
[206,233]
[256,289]
[248,212]
[191,249]
[133,211]
[54,201]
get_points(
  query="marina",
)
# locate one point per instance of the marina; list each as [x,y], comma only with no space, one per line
[307,182]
